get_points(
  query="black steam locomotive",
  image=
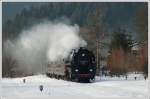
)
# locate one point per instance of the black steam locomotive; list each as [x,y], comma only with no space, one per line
[81,67]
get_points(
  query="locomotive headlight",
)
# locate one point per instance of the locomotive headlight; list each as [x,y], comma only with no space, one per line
[76,70]
[91,70]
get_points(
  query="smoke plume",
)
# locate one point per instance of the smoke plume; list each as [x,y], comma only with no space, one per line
[43,43]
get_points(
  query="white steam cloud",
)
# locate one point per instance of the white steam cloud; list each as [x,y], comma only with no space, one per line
[43,43]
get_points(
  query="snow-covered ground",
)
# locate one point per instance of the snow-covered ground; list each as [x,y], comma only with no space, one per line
[102,87]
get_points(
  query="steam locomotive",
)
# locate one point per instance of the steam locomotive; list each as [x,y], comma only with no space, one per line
[81,67]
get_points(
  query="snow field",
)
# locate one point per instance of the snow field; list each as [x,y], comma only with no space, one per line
[102,87]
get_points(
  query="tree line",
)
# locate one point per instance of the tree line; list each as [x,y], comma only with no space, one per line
[91,17]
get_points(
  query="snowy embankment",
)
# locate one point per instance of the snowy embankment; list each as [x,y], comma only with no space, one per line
[102,87]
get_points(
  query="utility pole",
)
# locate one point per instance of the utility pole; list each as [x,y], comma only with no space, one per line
[97,57]
[98,54]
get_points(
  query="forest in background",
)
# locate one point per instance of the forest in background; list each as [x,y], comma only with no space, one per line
[94,20]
